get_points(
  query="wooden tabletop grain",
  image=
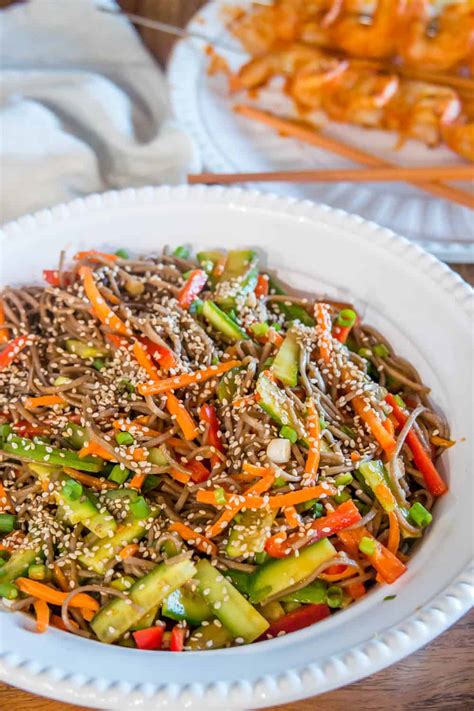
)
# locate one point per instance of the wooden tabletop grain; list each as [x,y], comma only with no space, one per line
[438,677]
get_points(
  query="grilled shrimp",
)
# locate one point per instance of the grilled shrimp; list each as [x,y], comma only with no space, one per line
[371,41]
[284,62]
[459,136]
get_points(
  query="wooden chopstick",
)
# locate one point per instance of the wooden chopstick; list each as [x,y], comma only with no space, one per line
[353,175]
[292,129]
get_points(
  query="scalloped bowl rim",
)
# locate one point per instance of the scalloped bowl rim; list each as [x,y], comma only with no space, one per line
[27,668]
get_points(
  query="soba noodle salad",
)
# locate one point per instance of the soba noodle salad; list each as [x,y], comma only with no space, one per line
[192,458]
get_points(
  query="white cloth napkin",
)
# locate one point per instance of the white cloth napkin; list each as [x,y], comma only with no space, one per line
[83,107]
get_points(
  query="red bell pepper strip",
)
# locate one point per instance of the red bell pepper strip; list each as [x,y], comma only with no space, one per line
[163,356]
[149,638]
[297,620]
[385,563]
[194,285]
[209,417]
[178,635]
[29,429]
[433,480]
[261,288]
[52,277]
[277,546]
[198,471]
[10,352]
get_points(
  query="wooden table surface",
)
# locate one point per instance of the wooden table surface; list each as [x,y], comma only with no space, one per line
[438,677]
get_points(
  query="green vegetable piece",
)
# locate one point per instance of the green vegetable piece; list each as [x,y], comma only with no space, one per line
[240,580]
[221,322]
[335,596]
[400,402]
[196,307]
[18,564]
[238,263]
[365,353]
[344,479]
[276,576]
[72,490]
[261,558]
[75,436]
[230,607]
[293,312]
[279,482]
[185,605]
[219,493]
[99,364]
[5,430]
[150,483]
[126,386]
[124,438]
[147,620]
[381,350]
[342,497]
[317,510]
[114,494]
[122,253]
[291,606]
[39,572]
[9,591]
[314,593]
[209,258]
[374,475]
[390,597]
[7,522]
[276,403]
[211,636]
[227,385]
[118,616]
[106,550]
[260,329]
[158,456]
[285,365]
[346,318]
[367,545]
[21,448]
[249,532]
[119,474]
[288,433]
[181,252]
[139,508]
[272,611]
[61,380]
[419,516]
[124,583]
[83,350]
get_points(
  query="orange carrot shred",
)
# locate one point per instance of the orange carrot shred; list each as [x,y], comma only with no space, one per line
[3,331]
[195,539]
[371,418]
[5,501]
[44,401]
[393,533]
[53,596]
[101,309]
[323,329]
[314,453]
[128,551]
[42,613]
[182,381]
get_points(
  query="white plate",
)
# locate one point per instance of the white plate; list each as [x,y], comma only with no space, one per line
[231,143]
[316,249]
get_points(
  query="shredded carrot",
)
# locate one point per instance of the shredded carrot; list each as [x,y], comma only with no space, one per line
[175,443]
[393,533]
[274,337]
[130,550]
[91,481]
[292,517]
[329,577]
[97,450]
[195,539]
[388,424]
[4,337]
[87,614]
[135,427]
[109,295]
[5,501]
[137,481]
[44,401]
[441,441]
[323,328]
[250,499]
[92,255]
[176,409]
[387,565]
[355,457]
[370,417]
[144,361]
[61,578]
[57,622]
[53,596]
[101,309]
[12,541]
[245,401]
[314,453]
[180,476]
[356,590]
[42,612]
[182,381]
[13,349]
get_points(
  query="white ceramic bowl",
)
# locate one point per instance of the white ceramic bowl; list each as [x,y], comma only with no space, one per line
[418,303]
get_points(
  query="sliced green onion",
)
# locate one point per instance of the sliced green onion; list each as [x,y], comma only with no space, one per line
[208,266]
[220,496]
[390,597]
[342,497]
[367,545]
[381,350]
[334,596]
[317,510]
[365,352]
[98,364]
[348,431]
[38,572]
[260,329]
[322,423]
[215,361]
[279,481]
[119,474]
[9,591]
[5,430]
[346,318]
[140,508]
[420,516]
[289,433]
[72,490]
[124,438]
[122,253]
[150,483]
[400,402]
[125,385]
[343,479]
[261,558]
[181,252]
[196,307]
[276,327]
[7,522]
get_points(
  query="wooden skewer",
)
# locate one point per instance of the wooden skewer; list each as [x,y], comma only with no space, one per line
[354,175]
[292,129]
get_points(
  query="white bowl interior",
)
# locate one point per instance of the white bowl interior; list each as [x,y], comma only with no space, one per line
[400,290]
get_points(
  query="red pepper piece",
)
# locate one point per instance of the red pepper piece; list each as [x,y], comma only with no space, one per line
[261,288]
[178,635]
[297,620]
[163,356]
[197,470]
[28,429]
[277,546]
[149,638]
[209,417]
[434,482]
[52,277]
[10,352]
[194,285]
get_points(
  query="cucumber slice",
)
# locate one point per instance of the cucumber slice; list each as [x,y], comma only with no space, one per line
[277,404]
[115,618]
[285,365]
[223,323]
[293,312]
[239,262]
[147,619]
[26,449]
[185,605]
[229,606]
[249,532]
[81,349]
[18,564]
[211,636]
[227,385]
[277,576]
